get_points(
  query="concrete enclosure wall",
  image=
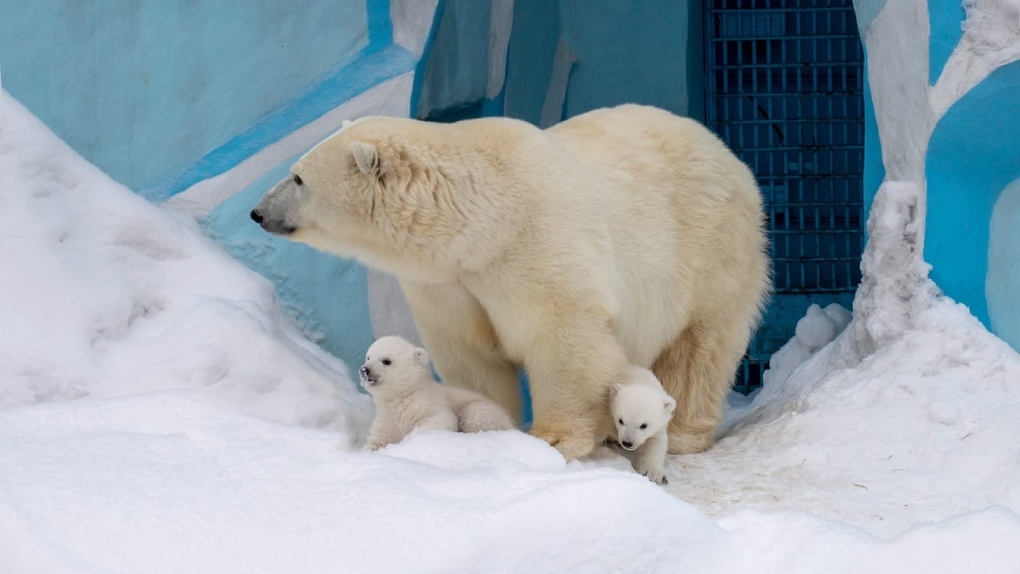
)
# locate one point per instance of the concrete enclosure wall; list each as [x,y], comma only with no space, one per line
[944,111]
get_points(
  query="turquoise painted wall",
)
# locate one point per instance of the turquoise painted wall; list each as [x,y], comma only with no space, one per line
[627,52]
[972,169]
[145,88]
[973,156]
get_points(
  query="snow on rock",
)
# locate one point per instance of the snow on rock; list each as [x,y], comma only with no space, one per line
[158,415]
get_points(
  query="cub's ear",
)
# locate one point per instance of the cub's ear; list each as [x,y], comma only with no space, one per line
[615,389]
[669,404]
[421,357]
[366,157]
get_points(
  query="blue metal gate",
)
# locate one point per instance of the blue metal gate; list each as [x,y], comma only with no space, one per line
[784,89]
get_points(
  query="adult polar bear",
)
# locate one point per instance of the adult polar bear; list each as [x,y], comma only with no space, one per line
[623,235]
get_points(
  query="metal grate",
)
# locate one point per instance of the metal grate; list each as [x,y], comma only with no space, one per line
[784,89]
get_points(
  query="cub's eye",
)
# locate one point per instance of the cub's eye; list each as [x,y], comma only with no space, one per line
[644,426]
[620,421]
[387,362]
[297,179]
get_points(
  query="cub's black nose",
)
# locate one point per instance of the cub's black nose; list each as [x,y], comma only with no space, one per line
[365,372]
[255,215]
[627,444]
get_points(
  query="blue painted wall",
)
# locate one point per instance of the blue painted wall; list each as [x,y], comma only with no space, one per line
[627,52]
[456,72]
[945,18]
[144,88]
[972,169]
[974,154]
[647,52]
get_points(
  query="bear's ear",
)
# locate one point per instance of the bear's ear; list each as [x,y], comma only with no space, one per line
[366,157]
[615,389]
[669,404]
[421,357]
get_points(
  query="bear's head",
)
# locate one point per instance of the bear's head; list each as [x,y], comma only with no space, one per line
[397,194]
[391,364]
[639,408]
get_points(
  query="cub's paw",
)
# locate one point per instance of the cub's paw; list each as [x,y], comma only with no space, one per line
[656,475]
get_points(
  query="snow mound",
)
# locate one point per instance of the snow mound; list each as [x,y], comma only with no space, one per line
[107,295]
[909,417]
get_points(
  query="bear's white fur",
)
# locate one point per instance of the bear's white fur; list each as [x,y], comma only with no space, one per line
[641,411]
[623,235]
[398,375]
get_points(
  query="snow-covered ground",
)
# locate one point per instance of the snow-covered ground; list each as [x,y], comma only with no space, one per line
[159,414]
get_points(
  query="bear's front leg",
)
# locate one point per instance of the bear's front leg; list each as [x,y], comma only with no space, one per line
[571,369]
[458,334]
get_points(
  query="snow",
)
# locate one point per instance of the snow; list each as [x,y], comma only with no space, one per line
[159,414]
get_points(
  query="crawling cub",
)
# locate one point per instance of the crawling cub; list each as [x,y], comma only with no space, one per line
[398,375]
[641,411]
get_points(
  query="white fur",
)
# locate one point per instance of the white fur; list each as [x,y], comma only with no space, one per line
[621,236]
[641,411]
[398,376]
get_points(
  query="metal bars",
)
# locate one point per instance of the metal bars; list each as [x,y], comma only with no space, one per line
[784,89]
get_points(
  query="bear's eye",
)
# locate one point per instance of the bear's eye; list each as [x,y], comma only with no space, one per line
[297,179]
[387,362]
[644,426]
[620,421]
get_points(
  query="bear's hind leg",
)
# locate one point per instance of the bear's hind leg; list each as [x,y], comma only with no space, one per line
[697,370]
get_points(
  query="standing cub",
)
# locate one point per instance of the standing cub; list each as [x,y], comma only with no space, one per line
[641,411]
[398,375]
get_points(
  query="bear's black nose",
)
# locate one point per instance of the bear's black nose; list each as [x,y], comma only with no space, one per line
[365,372]
[255,215]
[627,444]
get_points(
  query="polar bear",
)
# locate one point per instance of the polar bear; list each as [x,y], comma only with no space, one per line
[641,410]
[398,375]
[621,236]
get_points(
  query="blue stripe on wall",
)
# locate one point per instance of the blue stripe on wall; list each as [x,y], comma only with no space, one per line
[362,74]
[946,21]
[380,26]
[419,69]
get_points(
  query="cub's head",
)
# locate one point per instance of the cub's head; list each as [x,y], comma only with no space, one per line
[373,191]
[391,363]
[640,408]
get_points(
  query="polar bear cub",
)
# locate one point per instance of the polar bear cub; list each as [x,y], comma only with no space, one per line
[641,411]
[398,375]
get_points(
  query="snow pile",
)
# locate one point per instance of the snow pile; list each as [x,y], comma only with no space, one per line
[911,416]
[157,414]
[106,295]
